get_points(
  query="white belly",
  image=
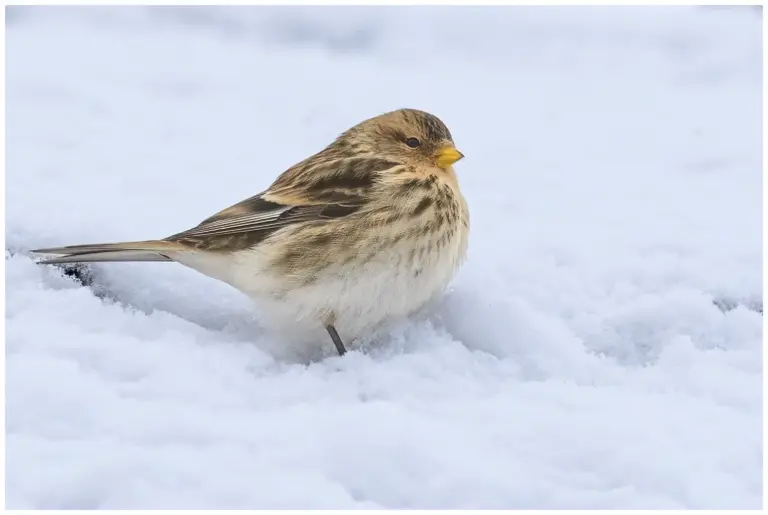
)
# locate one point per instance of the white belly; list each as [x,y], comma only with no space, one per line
[357,298]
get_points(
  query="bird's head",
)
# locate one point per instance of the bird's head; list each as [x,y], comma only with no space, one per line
[408,136]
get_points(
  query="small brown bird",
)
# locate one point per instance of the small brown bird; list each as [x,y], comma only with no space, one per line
[367,230]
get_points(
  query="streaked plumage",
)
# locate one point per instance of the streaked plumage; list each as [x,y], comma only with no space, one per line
[366,230]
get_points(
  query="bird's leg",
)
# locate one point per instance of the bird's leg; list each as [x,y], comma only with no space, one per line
[336,339]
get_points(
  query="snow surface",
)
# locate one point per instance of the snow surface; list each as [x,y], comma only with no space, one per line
[601,348]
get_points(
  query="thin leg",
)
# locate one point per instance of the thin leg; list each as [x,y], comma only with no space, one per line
[336,339]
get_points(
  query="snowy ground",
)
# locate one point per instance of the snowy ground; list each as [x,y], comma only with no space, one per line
[601,347]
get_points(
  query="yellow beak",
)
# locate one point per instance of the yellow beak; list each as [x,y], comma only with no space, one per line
[447,156]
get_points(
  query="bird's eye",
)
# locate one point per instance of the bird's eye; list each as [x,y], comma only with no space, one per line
[413,142]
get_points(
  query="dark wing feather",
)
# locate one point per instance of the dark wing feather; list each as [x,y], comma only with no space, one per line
[317,191]
[255,204]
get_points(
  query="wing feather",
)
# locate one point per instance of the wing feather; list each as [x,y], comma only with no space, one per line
[315,190]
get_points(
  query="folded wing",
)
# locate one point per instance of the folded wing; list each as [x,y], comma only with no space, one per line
[313,191]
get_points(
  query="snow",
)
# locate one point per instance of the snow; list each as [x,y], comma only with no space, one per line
[601,348]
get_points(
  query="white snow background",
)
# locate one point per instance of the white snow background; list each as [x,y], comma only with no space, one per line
[601,347]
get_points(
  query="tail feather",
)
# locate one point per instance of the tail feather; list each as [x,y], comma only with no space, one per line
[154,250]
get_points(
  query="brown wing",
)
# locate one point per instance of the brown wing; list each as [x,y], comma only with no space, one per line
[315,190]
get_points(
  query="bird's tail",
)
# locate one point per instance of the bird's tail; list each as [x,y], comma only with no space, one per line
[151,250]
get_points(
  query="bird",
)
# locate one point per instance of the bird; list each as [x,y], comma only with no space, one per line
[365,231]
